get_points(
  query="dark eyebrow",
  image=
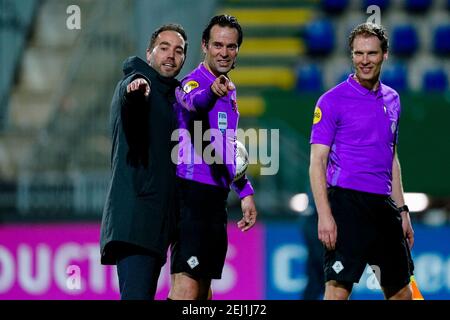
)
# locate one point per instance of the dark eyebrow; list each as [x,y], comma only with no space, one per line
[369,52]
[165,43]
[215,43]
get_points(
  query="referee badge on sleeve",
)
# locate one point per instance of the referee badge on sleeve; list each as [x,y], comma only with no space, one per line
[317,115]
[190,85]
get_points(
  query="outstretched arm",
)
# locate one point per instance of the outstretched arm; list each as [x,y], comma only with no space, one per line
[134,93]
[140,86]
[134,89]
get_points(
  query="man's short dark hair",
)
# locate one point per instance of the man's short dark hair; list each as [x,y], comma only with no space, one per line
[223,20]
[368,29]
[168,27]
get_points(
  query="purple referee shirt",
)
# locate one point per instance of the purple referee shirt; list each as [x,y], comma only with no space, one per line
[361,128]
[196,102]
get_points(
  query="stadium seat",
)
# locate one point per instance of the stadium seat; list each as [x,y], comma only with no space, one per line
[309,78]
[417,6]
[441,43]
[334,6]
[319,37]
[395,76]
[435,80]
[342,77]
[405,40]
[383,4]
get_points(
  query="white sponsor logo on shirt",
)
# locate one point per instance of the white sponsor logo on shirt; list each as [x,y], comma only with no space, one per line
[222,121]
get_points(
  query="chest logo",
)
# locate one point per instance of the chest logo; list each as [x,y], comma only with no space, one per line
[190,85]
[317,115]
[222,121]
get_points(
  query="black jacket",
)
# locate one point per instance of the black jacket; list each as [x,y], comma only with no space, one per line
[140,204]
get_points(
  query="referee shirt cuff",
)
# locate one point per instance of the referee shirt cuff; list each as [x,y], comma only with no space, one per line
[243,187]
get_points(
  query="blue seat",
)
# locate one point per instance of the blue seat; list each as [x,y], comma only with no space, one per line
[309,78]
[334,6]
[417,6]
[395,76]
[405,40]
[319,37]
[342,77]
[441,43]
[435,80]
[383,4]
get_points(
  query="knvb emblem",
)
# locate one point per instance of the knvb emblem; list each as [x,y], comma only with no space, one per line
[338,266]
[193,262]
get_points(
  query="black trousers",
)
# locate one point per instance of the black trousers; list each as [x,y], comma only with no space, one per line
[202,241]
[138,274]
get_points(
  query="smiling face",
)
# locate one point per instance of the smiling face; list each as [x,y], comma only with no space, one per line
[167,55]
[367,58]
[221,50]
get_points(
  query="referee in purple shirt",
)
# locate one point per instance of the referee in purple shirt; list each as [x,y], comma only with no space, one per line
[208,97]
[355,176]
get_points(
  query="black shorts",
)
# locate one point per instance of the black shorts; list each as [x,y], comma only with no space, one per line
[369,231]
[201,244]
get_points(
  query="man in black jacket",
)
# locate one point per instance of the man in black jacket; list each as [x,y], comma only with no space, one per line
[139,213]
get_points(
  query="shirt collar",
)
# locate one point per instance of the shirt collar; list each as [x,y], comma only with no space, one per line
[206,72]
[362,90]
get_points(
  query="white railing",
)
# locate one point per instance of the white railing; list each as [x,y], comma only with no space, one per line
[73,194]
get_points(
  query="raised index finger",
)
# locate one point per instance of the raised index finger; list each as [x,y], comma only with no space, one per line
[223,79]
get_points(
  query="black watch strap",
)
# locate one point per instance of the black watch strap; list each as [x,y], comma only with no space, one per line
[403,208]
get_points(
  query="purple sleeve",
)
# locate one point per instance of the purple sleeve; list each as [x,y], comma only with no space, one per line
[324,122]
[243,187]
[198,99]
